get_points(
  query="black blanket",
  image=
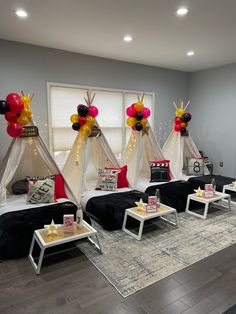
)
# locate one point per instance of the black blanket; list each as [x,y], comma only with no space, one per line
[202,180]
[109,209]
[16,228]
[173,194]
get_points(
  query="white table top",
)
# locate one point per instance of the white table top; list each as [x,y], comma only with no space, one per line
[63,237]
[143,215]
[202,199]
[229,187]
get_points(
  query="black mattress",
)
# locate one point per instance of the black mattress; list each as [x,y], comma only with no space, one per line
[16,228]
[195,182]
[173,194]
[109,209]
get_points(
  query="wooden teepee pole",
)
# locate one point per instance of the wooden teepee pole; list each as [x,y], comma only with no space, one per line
[142,97]
[175,105]
[187,104]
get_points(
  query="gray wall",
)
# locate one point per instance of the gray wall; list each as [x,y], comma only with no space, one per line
[29,68]
[213,95]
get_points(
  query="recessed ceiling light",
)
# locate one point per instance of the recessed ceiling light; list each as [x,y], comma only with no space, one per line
[182,11]
[127,38]
[21,13]
[190,53]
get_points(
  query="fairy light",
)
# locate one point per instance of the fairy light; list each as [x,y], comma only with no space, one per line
[30,141]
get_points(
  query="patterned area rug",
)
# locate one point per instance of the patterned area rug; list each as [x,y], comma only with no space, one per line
[131,265]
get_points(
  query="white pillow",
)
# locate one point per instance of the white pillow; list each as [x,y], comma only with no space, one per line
[195,166]
[41,191]
[107,179]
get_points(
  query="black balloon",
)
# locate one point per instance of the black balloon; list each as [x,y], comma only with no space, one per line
[82,110]
[76,126]
[4,107]
[186,117]
[138,126]
[184,132]
[139,116]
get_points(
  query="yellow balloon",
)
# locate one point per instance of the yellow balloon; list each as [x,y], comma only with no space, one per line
[179,112]
[131,121]
[27,112]
[90,121]
[183,125]
[139,106]
[85,130]
[144,122]
[26,100]
[23,120]
[74,118]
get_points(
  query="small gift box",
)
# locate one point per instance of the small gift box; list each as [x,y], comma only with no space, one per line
[209,190]
[151,208]
[68,221]
[152,200]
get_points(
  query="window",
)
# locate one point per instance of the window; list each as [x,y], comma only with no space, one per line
[63,100]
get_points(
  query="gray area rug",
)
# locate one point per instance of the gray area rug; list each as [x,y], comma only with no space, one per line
[131,265]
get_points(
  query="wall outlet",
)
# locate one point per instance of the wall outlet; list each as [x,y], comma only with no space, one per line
[221,164]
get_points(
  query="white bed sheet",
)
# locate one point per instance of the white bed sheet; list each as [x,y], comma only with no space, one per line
[19,202]
[85,197]
[144,183]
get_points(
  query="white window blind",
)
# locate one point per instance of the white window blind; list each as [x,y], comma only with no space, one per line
[112,104]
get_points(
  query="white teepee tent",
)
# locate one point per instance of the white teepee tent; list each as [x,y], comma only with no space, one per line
[178,148]
[86,157]
[27,156]
[142,148]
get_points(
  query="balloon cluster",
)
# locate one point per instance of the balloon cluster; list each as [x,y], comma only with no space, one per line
[181,120]
[137,116]
[84,120]
[16,109]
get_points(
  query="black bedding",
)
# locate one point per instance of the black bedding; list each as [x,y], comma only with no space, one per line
[173,194]
[16,228]
[195,182]
[109,209]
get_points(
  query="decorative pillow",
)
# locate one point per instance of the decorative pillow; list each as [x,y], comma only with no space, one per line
[41,191]
[195,166]
[19,187]
[107,180]
[59,187]
[160,170]
[59,184]
[122,181]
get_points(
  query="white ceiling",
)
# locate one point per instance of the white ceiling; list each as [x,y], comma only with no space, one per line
[160,38]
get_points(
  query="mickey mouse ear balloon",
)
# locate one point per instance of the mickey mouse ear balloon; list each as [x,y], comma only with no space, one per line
[17,112]
[181,118]
[85,119]
[137,115]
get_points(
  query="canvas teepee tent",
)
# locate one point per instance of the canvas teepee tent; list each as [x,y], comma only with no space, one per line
[142,148]
[27,156]
[179,147]
[87,155]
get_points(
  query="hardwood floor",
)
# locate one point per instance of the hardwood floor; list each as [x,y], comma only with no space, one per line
[69,283]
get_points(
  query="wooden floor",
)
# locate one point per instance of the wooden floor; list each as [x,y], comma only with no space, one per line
[69,283]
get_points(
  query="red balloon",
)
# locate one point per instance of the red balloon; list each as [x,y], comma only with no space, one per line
[14,130]
[178,120]
[93,111]
[10,117]
[131,111]
[17,106]
[12,97]
[146,112]
[177,127]
[82,120]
